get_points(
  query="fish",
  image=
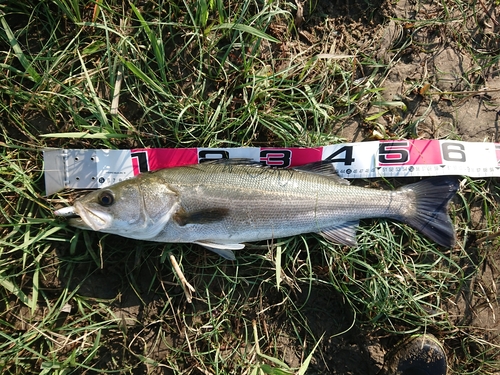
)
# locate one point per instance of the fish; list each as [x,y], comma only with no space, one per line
[222,205]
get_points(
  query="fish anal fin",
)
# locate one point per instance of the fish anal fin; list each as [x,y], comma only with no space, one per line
[343,233]
[212,215]
[224,250]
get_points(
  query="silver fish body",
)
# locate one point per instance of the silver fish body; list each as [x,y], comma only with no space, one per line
[223,205]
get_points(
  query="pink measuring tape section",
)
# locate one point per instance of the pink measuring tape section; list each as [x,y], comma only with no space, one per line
[92,169]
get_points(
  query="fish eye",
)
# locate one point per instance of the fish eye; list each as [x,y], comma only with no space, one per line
[106,198]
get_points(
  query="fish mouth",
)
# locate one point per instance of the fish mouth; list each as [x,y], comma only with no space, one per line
[66,212]
[81,217]
[73,218]
[77,222]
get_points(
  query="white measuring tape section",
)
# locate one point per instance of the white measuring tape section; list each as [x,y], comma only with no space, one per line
[91,169]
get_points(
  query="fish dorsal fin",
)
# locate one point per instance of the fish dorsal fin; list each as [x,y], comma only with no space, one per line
[344,233]
[323,167]
[211,215]
[224,250]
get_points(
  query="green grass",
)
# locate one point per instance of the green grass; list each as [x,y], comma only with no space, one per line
[203,73]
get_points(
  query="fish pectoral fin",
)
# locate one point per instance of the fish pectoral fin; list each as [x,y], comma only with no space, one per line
[212,215]
[344,233]
[224,250]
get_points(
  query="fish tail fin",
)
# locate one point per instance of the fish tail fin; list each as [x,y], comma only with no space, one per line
[431,197]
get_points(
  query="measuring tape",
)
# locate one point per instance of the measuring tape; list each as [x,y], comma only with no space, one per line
[91,169]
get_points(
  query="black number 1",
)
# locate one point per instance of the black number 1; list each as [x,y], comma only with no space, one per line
[142,160]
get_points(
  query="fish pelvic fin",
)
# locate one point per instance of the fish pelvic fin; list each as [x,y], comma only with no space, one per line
[431,217]
[224,250]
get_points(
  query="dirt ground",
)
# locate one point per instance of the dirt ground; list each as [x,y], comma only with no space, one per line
[436,61]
